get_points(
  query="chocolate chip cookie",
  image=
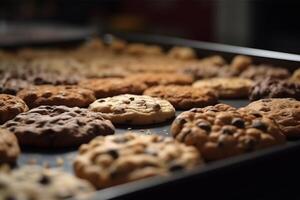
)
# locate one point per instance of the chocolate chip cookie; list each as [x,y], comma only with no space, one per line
[284,111]
[9,148]
[10,106]
[34,182]
[131,156]
[71,96]
[58,126]
[221,131]
[134,109]
[227,88]
[184,97]
[108,87]
[274,88]
[259,72]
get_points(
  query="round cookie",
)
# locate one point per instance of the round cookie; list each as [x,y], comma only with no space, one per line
[71,96]
[227,87]
[274,88]
[221,131]
[10,106]
[296,76]
[34,182]
[117,159]
[58,126]
[284,111]
[9,148]
[260,72]
[134,109]
[153,79]
[108,87]
[184,97]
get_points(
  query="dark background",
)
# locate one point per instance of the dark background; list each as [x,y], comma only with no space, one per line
[266,24]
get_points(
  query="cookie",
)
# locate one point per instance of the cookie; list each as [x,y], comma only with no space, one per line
[9,85]
[153,79]
[227,87]
[260,72]
[241,62]
[221,131]
[9,147]
[142,49]
[58,126]
[296,76]
[184,97]
[34,182]
[10,106]
[285,112]
[112,160]
[108,87]
[274,88]
[71,96]
[134,109]
[183,53]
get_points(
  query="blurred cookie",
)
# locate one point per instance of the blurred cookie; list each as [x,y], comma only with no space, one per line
[11,86]
[260,72]
[142,49]
[296,76]
[285,112]
[134,109]
[184,97]
[58,126]
[274,88]
[71,96]
[227,87]
[241,62]
[9,147]
[131,156]
[182,53]
[108,87]
[221,131]
[10,106]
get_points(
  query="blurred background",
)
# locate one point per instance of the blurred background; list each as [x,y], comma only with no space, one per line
[266,24]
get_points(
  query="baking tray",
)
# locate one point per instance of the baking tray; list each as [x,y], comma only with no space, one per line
[263,174]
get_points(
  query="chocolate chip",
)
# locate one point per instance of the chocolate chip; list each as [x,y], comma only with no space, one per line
[113,153]
[44,180]
[181,121]
[101,100]
[205,126]
[194,110]
[126,101]
[131,98]
[156,107]
[250,144]
[226,130]
[238,122]
[119,110]
[175,167]
[259,125]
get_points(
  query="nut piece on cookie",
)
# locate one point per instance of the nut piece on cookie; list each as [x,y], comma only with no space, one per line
[71,96]
[183,53]
[134,109]
[127,157]
[284,111]
[184,97]
[222,131]
[227,88]
[9,147]
[108,87]
[10,106]
[58,126]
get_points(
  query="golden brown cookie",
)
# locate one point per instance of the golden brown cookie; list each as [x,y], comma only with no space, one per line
[227,87]
[9,147]
[112,160]
[134,109]
[184,97]
[153,79]
[108,87]
[285,112]
[296,76]
[259,72]
[183,53]
[241,62]
[10,106]
[71,96]
[222,131]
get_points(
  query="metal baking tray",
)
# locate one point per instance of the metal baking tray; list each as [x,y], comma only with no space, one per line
[263,174]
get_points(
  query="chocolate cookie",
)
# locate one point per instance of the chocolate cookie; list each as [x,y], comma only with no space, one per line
[274,88]
[108,87]
[153,79]
[221,131]
[34,182]
[10,106]
[260,72]
[184,97]
[71,96]
[227,87]
[123,158]
[134,109]
[285,112]
[9,148]
[58,126]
